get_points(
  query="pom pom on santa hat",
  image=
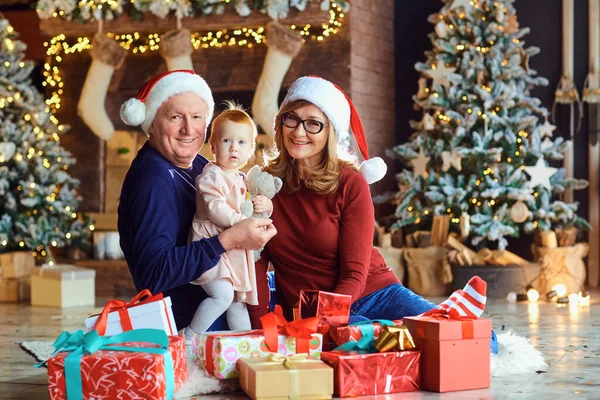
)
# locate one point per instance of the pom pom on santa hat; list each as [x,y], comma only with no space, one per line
[141,110]
[340,111]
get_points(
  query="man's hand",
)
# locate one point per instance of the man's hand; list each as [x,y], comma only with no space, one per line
[262,204]
[251,234]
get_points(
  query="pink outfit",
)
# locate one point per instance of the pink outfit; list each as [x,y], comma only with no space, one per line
[219,196]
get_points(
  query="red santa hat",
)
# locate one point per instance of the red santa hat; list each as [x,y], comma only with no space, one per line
[340,111]
[154,92]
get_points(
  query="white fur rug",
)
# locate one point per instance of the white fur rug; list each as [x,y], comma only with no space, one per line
[516,356]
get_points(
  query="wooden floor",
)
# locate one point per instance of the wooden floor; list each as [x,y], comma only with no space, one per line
[569,338]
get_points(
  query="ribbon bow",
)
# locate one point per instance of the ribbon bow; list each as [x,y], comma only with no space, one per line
[394,338]
[79,344]
[275,323]
[122,307]
[287,361]
[366,343]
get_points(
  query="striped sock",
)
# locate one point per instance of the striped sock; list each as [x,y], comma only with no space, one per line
[469,302]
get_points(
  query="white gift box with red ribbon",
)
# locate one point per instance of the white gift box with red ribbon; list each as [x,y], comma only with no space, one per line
[152,313]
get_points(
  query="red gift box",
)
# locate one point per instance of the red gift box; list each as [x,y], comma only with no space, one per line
[333,308]
[358,374]
[348,333]
[108,374]
[455,353]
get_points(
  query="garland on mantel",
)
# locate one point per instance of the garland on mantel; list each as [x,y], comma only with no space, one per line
[93,10]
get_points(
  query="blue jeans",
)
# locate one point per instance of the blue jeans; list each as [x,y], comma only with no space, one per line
[392,302]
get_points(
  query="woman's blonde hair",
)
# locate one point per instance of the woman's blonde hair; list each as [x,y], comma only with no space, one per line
[235,113]
[324,178]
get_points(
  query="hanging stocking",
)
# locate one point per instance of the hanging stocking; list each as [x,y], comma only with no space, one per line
[284,44]
[107,55]
[176,49]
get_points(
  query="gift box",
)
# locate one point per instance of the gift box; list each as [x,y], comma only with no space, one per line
[278,377]
[16,264]
[354,332]
[218,352]
[455,354]
[333,308]
[153,312]
[140,364]
[15,290]
[62,285]
[358,374]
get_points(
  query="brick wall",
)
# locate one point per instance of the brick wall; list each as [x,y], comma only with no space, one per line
[372,76]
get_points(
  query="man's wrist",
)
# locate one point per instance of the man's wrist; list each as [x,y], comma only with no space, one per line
[227,241]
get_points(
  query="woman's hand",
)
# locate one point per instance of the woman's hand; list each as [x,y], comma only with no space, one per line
[262,204]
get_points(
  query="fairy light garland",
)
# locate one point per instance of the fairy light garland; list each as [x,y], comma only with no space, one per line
[59,47]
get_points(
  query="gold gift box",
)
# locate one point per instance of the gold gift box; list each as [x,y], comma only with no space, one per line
[278,377]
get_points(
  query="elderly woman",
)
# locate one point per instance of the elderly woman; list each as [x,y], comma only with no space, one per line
[325,218]
[157,203]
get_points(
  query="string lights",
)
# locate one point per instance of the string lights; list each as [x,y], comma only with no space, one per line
[59,46]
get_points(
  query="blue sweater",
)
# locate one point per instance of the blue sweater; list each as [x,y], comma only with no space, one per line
[156,208]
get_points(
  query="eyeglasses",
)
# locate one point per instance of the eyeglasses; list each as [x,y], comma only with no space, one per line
[310,125]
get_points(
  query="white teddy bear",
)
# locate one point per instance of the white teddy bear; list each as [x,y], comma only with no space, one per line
[259,183]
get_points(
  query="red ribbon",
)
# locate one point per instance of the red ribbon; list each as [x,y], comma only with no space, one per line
[273,324]
[450,314]
[122,307]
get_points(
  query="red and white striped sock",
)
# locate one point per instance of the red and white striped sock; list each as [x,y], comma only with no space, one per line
[469,302]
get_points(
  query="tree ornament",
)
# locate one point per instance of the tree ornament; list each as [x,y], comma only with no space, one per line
[519,212]
[465,4]
[480,77]
[428,122]
[512,24]
[439,74]
[465,225]
[451,159]
[283,45]
[441,29]
[524,59]
[176,49]
[420,164]
[546,129]
[107,55]
[422,93]
[540,174]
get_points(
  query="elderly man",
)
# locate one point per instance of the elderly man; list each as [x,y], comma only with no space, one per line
[157,201]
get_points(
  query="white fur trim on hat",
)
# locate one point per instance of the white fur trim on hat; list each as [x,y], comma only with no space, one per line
[133,112]
[324,95]
[373,170]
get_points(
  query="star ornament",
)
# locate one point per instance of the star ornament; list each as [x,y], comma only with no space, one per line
[546,129]
[439,74]
[420,164]
[540,174]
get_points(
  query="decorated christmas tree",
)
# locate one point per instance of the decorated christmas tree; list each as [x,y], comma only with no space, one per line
[39,198]
[484,152]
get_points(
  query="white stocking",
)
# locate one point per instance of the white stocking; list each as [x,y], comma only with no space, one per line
[176,49]
[107,55]
[284,44]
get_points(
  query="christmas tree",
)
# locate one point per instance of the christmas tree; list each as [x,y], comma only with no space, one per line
[39,198]
[481,152]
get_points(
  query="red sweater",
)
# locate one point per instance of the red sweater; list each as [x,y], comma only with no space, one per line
[323,242]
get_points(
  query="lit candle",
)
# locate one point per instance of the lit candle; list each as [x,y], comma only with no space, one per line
[567,38]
